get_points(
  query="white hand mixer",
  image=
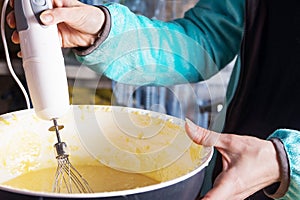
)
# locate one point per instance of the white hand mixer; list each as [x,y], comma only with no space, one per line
[46,78]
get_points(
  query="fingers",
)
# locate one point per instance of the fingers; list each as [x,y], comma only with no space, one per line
[11,3]
[201,135]
[221,190]
[10,19]
[15,37]
[11,22]
[19,54]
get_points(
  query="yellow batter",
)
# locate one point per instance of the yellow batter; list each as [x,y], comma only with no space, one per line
[100,179]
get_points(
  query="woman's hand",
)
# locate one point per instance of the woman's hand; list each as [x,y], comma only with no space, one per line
[249,163]
[78,23]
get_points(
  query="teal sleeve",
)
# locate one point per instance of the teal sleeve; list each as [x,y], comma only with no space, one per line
[143,51]
[291,142]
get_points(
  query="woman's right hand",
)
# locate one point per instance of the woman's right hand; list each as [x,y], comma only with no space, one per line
[78,23]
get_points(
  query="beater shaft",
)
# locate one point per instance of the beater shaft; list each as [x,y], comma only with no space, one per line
[67,177]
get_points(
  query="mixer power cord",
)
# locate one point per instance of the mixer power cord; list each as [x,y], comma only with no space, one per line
[8,60]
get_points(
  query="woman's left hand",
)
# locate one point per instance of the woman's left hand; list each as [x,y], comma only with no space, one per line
[249,164]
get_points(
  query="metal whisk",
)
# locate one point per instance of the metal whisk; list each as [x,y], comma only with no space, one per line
[67,177]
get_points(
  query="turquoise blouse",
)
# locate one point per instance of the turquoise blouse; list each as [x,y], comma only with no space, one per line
[143,51]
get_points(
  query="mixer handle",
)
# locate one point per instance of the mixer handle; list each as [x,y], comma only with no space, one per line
[37,6]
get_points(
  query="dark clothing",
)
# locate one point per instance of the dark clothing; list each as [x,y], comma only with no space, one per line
[269,87]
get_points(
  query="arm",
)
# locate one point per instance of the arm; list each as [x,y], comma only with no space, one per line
[163,53]
[136,50]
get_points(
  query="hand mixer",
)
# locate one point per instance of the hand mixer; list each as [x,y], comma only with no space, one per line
[45,74]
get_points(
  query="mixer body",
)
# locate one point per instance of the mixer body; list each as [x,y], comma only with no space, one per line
[43,60]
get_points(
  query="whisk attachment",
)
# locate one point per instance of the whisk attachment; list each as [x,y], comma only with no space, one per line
[67,178]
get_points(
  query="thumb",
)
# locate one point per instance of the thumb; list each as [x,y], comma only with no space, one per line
[69,15]
[88,19]
[62,12]
[50,17]
[201,135]
[47,17]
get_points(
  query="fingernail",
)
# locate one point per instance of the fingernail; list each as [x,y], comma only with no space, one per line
[46,18]
[192,126]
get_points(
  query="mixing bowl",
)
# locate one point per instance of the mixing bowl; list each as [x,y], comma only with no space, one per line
[126,139]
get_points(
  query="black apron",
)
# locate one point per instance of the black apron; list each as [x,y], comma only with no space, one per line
[268,94]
